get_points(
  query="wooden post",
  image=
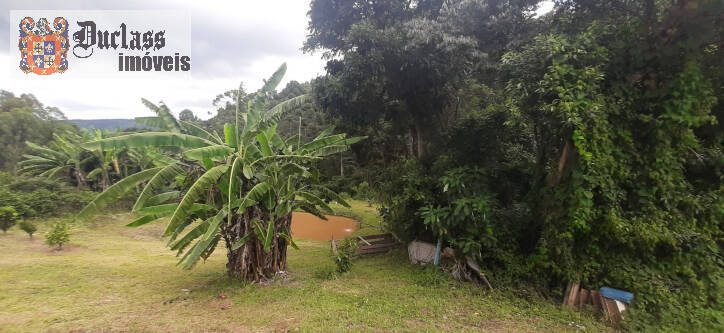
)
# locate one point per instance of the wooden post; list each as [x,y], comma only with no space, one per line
[583,298]
[570,298]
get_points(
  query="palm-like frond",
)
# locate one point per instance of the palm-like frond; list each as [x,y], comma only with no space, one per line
[164,120]
[194,193]
[115,191]
[277,112]
[216,153]
[158,181]
[148,139]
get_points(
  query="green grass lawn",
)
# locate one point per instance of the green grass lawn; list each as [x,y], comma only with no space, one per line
[114,278]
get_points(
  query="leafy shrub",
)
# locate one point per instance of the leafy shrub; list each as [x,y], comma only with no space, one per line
[36,197]
[8,217]
[345,251]
[29,184]
[431,276]
[58,235]
[5,178]
[29,227]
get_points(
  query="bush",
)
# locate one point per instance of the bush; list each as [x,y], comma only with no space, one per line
[431,276]
[5,178]
[58,235]
[8,217]
[39,197]
[345,250]
[29,184]
[28,227]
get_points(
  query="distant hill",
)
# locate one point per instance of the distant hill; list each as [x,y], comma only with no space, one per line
[109,124]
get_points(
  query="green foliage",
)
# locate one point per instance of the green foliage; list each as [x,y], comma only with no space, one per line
[431,276]
[5,178]
[29,227]
[346,249]
[589,141]
[240,189]
[23,118]
[8,217]
[38,197]
[58,235]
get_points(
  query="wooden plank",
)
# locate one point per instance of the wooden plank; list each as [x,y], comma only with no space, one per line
[595,300]
[375,246]
[613,316]
[583,298]
[363,240]
[573,295]
[384,242]
[377,250]
[368,237]
[567,293]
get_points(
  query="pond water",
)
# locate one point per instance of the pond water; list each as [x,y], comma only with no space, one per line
[308,226]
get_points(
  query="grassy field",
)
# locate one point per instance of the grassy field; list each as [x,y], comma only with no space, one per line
[114,278]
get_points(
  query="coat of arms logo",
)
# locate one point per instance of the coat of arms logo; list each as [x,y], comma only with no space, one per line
[42,50]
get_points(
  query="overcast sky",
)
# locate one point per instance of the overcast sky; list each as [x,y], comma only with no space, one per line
[231,42]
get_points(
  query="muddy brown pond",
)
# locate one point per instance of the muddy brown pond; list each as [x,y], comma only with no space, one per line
[308,226]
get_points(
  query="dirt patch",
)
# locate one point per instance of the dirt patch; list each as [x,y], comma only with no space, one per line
[414,323]
[285,325]
[37,244]
[308,226]
[498,326]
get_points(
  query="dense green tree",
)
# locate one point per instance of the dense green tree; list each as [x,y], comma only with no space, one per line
[24,119]
[397,64]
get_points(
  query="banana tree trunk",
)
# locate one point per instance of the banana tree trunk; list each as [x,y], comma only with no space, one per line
[79,178]
[250,262]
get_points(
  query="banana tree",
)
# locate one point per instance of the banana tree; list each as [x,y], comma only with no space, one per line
[66,157]
[240,189]
[107,160]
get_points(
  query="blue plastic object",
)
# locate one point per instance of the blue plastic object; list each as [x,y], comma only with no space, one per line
[623,296]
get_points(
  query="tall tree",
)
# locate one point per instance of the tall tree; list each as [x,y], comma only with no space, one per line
[395,62]
[23,119]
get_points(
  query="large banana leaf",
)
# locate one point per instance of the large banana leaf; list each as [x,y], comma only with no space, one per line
[153,122]
[181,243]
[47,152]
[216,152]
[148,139]
[209,240]
[275,79]
[159,180]
[256,194]
[162,197]
[316,201]
[115,191]
[278,111]
[194,193]
[284,158]
[166,120]
[331,195]
[195,130]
